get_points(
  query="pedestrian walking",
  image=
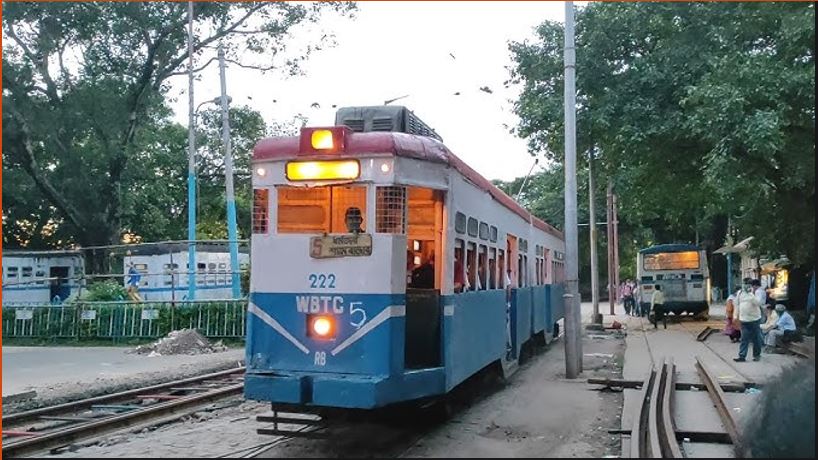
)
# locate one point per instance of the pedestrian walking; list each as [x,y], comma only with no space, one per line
[657,306]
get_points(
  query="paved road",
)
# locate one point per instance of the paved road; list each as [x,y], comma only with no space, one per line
[26,368]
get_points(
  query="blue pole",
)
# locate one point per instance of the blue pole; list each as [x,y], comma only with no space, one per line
[729,274]
[191,174]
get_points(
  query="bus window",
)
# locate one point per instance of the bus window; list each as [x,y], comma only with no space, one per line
[492,268]
[458,275]
[390,210]
[471,266]
[482,265]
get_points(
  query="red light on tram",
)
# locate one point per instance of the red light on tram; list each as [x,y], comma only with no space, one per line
[323,140]
[321,326]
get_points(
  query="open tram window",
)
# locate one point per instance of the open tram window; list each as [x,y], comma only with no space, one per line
[520,271]
[492,268]
[459,268]
[482,265]
[390,210]
[471,266]
[501,268]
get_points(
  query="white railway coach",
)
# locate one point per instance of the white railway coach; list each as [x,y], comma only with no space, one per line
[384,269]
[164,267]
[41,276]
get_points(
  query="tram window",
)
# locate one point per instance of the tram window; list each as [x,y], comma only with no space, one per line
[482,265]
[390,210]
[471,266]
[460,222]
[501,263]
[484,231]
[26,272]
[520,271]
[303,210]
[493,234]
[492,268]
[537,270]
[261,210]
[11,273]
[40,274]
[472,227]
[457,276]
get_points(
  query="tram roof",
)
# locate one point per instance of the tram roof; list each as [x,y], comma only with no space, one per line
[669,248]
[402,145]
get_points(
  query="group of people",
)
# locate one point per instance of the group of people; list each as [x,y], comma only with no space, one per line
[751,319]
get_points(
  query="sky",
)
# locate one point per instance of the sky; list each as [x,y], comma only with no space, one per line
[426,50]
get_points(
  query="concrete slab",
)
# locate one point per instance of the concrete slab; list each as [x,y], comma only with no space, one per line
[707,450]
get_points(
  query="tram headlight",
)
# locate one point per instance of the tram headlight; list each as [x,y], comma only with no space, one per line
[320,326]
[321,139]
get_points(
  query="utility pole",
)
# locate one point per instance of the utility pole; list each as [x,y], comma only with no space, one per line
[573,319]
[191,166]
[593,233]
[609,214]
[614,213]
[232,233]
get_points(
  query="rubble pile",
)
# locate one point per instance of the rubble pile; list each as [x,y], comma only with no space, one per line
[182,342]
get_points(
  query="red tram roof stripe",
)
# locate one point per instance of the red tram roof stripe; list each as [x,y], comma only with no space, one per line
[402,145]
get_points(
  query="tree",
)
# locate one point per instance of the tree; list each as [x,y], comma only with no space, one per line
[84,88]
[696,111]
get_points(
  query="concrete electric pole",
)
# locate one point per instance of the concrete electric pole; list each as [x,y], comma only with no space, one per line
[232,232]
[191,166]
[593,233]
[573,318]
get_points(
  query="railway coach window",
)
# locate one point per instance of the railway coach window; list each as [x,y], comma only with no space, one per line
[390,210]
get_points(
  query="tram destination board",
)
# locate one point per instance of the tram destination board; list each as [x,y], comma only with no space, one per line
[347,245]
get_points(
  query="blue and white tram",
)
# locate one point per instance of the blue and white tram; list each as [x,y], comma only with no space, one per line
[164,269]
[384,269]
[41,276]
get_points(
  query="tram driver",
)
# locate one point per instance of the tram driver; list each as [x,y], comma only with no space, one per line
[353,220]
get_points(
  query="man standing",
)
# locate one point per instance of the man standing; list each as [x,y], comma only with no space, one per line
[627,296]
[749,315]
[657,305]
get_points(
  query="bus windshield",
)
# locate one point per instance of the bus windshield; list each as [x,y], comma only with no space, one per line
[671,261]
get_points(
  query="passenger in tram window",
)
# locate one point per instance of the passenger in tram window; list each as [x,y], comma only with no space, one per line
[423,277]
[459,278]
[353,220]
[410,266]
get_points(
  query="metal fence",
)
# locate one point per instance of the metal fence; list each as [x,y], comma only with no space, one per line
[124,320]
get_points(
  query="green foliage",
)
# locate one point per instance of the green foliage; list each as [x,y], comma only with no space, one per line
[87,137]
[696,111]
[105,291]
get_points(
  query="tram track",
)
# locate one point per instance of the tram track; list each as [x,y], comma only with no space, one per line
[38,430]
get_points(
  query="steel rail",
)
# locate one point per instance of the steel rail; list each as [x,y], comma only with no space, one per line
[639,434]
[667,430]
[717,396]
[93,428]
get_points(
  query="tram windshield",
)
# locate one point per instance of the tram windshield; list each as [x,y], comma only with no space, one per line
[331,209]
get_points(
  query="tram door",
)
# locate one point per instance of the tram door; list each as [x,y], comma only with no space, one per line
[423,278]
[59,286]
